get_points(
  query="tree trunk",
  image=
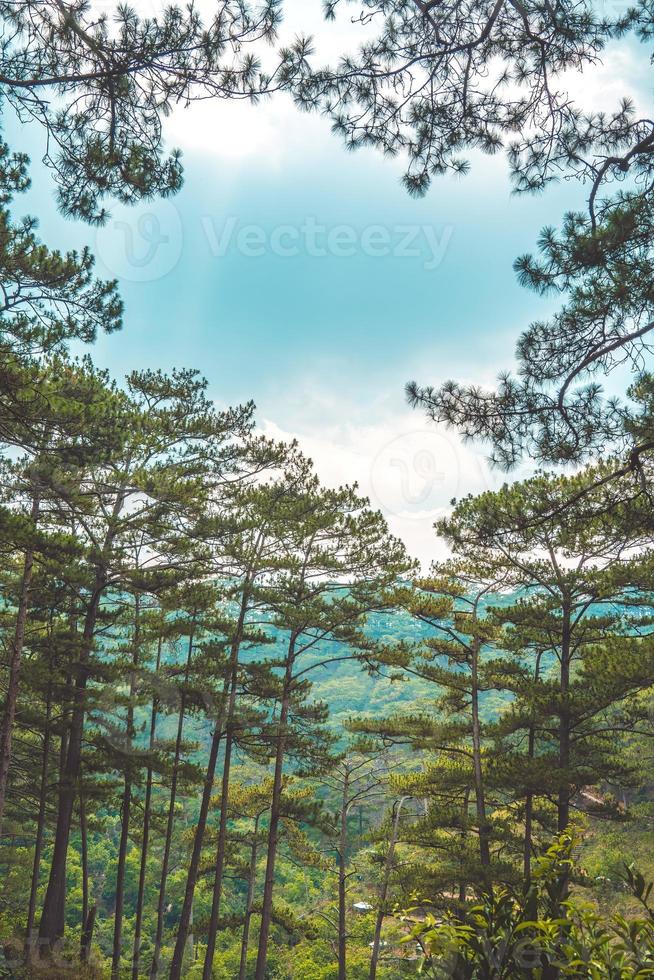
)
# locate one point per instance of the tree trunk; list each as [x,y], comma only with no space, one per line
[383,893]
[120,880]
[480,799]
[190,942]
[249,902]
[220,862]
[51,928]
[198,839]
[529,802]
[463,884]
[564,726]
[85,860]
[147,805]
[529,814]
[342,881]
[126,804]
[224,806]
[275,811]
[196,854]
[40,827]
[170,822]
[563,802]
[18,642]
[65,723]
[87,933]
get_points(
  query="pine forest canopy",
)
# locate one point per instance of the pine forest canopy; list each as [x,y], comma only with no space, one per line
[243,734]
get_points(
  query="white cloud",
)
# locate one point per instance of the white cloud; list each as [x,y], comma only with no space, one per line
[236,131]
[410,469]
[622,72]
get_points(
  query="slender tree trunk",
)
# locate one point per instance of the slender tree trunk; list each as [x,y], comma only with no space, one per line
[120,879]
[88,910]
[220,862]
[196,854]
[190,942]
[224,807]
[170,822]
[16,653]
[66,713]
[463,885]
[40,826]
[275,812]
[342,880]
[87,933]
[52,924]
[52,918]
[529,802]
[564,725]
[201,826]
[480,799]
[383,893]
[147,805]
[126,804]
[249,902]
[85,865]
[529,814]
[65,722]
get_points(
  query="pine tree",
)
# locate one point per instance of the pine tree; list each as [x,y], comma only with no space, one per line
[440,56]
[577,625]
[459,837]
[170,438]
[340,559]
[246,556]
[116,76]
[356,780]
[77,433]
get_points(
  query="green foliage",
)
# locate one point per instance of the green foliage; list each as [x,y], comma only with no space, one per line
[235,732]
[442,58]
[541,932]
[101,86]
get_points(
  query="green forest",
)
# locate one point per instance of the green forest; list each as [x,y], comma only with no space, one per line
[245,734]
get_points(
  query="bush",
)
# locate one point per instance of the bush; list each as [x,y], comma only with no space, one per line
[542,933]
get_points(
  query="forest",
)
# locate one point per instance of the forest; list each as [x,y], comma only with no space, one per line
[245,734]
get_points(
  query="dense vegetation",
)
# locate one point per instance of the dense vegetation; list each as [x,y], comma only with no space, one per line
[243,735]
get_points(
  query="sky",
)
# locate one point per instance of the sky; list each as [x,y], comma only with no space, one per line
[302,276]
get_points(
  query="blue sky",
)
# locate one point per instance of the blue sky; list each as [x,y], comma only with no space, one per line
[323,332]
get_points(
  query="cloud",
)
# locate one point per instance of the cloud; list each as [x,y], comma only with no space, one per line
[266,133]
[622,72]
[410,469]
